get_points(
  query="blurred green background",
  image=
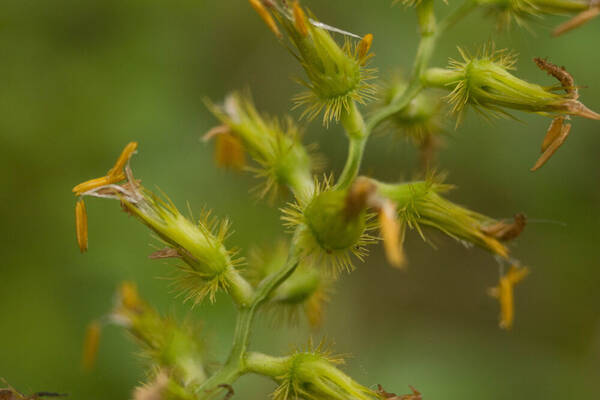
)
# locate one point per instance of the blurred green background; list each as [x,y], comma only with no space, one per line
[79,79]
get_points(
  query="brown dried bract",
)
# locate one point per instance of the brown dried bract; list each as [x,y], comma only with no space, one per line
[416,395]
[560,73]
[167,252]
[556,136]
[506,231]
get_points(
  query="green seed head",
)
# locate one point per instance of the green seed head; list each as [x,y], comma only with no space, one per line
[275,146]
[336,74]
[329,232]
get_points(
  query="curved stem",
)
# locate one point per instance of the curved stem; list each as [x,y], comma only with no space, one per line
[458,14]
[235,366]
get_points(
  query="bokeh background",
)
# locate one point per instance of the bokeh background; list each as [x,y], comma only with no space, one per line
[79,79]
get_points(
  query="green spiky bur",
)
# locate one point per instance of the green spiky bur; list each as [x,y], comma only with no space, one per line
[420,203]
[336,75]
[274,145]
[209,265]
[332,228]
[487,82]
[327,236]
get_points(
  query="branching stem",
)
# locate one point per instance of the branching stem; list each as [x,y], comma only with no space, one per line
[240,361]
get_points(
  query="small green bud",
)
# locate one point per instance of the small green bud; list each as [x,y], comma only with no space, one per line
[420,203]
[337,76]
[274,145]
[329,230]
[306,290]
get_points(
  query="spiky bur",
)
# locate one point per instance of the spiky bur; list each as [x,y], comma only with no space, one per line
[306,291]
[421,121]
[167,344]
[337,75]
[484,81]
[208,266]
[421,204]
[504,292]
[313,375]
[283,162]
[329,235]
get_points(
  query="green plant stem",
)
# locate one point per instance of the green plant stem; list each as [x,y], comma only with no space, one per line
[454,17]
[356,150]
[235,366]
[430,34]
[266,365]
[440,78]
[240,361]
[356,130]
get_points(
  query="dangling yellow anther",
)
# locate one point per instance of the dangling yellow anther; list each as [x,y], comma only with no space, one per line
[393,235]
[81,225]
[114,175]
[363,48]
[300,19]
[90,345]
[117,169]
[504,293]
[266,16]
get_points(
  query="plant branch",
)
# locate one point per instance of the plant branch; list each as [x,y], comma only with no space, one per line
[235,366]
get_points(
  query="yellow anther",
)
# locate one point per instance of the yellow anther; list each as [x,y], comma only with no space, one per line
[117,169]
[300,19]
[90,345]
[393,235]
[266,16]
[364,46]
[114,175]
[504,293]
[81,225]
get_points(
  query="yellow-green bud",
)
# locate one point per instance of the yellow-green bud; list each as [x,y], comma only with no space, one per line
[336,74]
[484,81]
[274,145]
[420,204]
[329,230]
